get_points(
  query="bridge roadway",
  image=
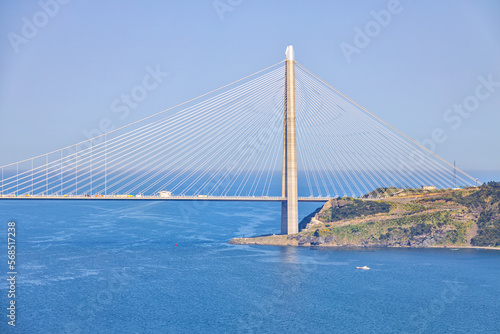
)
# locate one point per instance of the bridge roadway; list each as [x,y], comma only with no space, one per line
[158,198]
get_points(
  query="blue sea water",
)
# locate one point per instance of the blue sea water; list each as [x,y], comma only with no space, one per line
[166,267]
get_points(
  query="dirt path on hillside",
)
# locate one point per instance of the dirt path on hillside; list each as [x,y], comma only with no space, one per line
[472,233]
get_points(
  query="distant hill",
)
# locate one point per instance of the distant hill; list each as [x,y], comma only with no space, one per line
[468,217]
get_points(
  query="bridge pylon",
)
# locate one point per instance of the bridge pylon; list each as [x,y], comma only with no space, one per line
[289,207]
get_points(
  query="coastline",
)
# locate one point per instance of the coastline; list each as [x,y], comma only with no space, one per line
[274,240]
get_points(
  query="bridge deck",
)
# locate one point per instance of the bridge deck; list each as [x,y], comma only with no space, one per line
[157,198]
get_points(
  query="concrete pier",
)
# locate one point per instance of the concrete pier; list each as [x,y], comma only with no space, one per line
[289,207]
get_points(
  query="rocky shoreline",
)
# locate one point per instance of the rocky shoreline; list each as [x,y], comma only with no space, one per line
[327,242]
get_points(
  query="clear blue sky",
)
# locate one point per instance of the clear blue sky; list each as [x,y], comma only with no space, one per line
[63,78]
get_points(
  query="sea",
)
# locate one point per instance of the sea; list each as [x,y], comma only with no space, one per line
[166,267]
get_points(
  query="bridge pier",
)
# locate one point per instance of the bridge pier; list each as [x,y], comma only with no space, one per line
[284,218]
[289,207]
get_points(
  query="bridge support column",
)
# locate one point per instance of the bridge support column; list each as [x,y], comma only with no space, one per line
[289,208]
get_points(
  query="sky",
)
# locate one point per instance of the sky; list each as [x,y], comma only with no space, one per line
[431,69]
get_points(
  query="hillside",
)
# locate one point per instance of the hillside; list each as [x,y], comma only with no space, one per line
[467,217]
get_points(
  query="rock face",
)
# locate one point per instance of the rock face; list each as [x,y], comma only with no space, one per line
[301,239]
[408,219]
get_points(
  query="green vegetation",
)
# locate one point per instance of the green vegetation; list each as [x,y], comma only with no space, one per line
[486,202]
[433,218]
[488,194]
[348,207]
[437,219]
[385,192]
[488,223]
[412,208]
[488,233]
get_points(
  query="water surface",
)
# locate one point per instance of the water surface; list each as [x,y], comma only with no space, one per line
[160,267]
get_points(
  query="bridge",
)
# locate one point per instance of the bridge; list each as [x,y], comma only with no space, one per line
[170,198]
[269,137]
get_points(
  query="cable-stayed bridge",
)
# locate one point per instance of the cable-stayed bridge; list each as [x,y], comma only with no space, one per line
[281,134]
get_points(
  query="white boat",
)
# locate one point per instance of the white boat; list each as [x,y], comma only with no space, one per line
[363,268]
